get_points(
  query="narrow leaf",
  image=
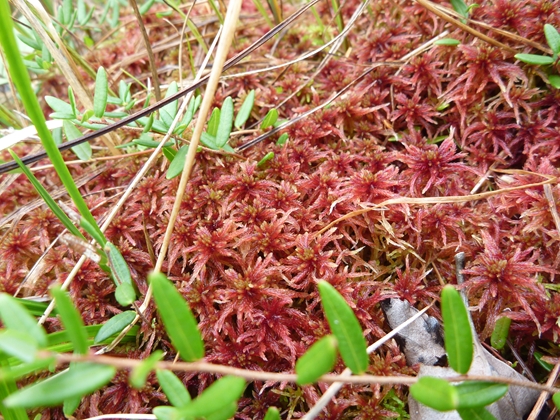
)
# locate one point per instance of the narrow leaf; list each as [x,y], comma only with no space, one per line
[451,42]
[165,412]
[457,330]
[171,108]
[71,320]
[500,333]
[554,80]
[245,110]
[70,405]
[125,294]
[435,393]
[539,60]
[214,122]
[552,38]
[114,326]
[83,150]
[16,317]
[266,158]
[345,327]
[269,119]
[226,122]
[18,344]
[140,373]
[460,7]
[221,394]
[83,379]
[101,92]
[479,413]
[178,318]
[119,267]
[178,163]
[59,105]
[473,394]
[173,388]
[272,414]
[316,361]
[209,141]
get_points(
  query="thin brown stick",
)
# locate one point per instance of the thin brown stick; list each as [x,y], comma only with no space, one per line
[148,47]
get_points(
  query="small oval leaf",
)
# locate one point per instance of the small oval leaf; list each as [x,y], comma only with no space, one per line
[245,110]
[114,326]
[71,320]
[269,119]
[213,122]
[18,344]
[173,388]
[118,265]
[16,317]
[345,327]
[435,393]
[177,318]
[479,413]
[556,400]
[473,394]
[500,333]
[178,163]
[218,396]
[83,151]
[316,361]
[457,330]
[451,42]
[539,60]
[554,80]
[82,379]
[552,38]
[125,294]
[101,92]
[165,412]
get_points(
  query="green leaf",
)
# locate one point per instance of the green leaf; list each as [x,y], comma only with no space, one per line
[171,108]
[82,379]
[225,413]
[539,60]
[460,7]
[70,405]
[71,320]
[546,366]
[214,122]
[457,330]
[226,122]
[266,158]
[140,373]
[55,208]
[209,141]
[72,100]
[165,412]
[554,80]
[125,294]
[15,317]
[316,361]
[93,232]
[556,400]
[178,163]
[435,393]
[500,333]
[173,388]
[119,267]
[18,344]
[269,119]
[245,110]
[178,318]
[272,414]
[345,327]
[479,413]
[448,42]
[552,38]
[218,396]
[473,394]
[143,9]
[114,326]
[101,92]
[282,140]
[60,106]
[83,150]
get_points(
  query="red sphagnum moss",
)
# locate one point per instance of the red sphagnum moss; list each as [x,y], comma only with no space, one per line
[246,252]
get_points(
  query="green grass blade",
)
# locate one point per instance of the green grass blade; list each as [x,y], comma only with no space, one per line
[345,327]
[178,318]
[71,320]
[7,387]
[81,380]
[15,317]
[22,82]
[457,328]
